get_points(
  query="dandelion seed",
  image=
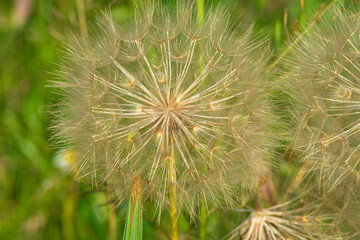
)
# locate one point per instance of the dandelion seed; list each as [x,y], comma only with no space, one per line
[325,71]
[300,215]
[139,102]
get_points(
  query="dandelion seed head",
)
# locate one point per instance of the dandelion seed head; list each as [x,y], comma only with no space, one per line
[325,70]
[162,90]
[284,221]
[297,213]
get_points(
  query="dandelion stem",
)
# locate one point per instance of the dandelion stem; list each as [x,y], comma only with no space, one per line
[200,12]
[112,216]
[203,212]
[82,17]
[69,206]
[203,221]
[172,198]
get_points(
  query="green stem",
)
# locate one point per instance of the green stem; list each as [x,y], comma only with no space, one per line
[112,216]
[172,198]
[69,206]
[200,12]
[203,222]
[82,17]
[203,211]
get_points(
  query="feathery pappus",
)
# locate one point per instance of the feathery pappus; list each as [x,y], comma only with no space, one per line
[324,81]
[167,98]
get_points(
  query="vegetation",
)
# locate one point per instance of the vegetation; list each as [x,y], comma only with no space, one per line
[269,151]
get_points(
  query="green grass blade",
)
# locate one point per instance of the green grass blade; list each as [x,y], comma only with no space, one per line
[134,220]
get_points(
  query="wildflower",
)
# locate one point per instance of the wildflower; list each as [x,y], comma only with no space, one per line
[324,77]
[161,99]
[300,214]
[277,222]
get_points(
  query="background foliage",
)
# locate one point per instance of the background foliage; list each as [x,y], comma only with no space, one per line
[38,199]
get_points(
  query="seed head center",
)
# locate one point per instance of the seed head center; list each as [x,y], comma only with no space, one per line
[172,113]
[171,108]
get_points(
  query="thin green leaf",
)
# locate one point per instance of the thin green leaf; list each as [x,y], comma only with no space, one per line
[134,221]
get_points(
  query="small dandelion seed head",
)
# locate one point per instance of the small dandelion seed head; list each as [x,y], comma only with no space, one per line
[283,221]
[161,89]
[297,212]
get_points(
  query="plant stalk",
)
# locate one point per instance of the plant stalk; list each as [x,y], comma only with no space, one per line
[203,210]
[112,216]
[200,12]
[203,221]
[82,17]
[68,212]
[172,198]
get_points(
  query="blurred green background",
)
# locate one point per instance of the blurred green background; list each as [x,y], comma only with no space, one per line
[38,199]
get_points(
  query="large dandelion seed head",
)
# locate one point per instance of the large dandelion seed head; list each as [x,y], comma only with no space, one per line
[165,89]
[325,78]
